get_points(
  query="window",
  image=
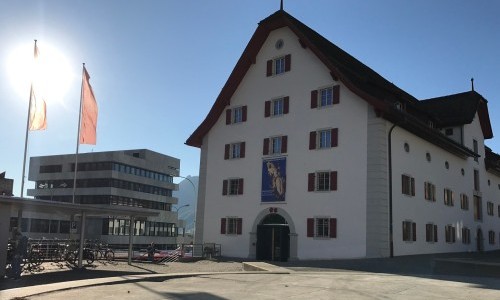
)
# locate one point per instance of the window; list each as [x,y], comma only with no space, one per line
[322,227]
[277,107]
[232,186]
[476,180]
[234,150]
[407,185]
[51,169]
[431,235]
[448,131]
[231,226]
[465,235]
[478,215]
[322,181]
[430,191]
[275,145]
[491,237]
[236,115]
[464,202]
[323,139]
[475,148]
[409,231]
[450,233]
[325,97]
[448,197]
[498,211]
[278,65]
[489,208]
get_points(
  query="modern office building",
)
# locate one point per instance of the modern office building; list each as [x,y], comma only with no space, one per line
[138,178]
[307,153]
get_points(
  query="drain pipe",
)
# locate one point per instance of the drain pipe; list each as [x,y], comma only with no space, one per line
[391,238]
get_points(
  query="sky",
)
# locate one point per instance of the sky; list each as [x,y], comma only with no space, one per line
[157,67]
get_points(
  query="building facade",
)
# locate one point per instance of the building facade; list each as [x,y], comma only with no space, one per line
[307,153]
[139,178]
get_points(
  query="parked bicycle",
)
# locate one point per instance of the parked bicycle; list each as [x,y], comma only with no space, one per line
[102,251]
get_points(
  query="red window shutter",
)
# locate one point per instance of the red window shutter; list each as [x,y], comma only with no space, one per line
[239,225]
[240,186]
[228,116]
[267,109]
[284,142]
[333,228]
[242,149]
[310,182]
[414,231]
[265,148]
[223,226]
[333,181]
[226,151]
[288,62]
[335,137]
[286,105]
[310,227]
[312,140]
[336,94]
[269,71]
[314,99]
[244,111]
[435,233]
[224,187]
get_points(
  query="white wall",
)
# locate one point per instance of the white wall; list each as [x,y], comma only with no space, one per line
[347,204]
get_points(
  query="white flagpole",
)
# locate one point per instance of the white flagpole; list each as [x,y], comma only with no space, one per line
[78,135]
[26,138]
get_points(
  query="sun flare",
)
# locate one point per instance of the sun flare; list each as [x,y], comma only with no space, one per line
[53,74]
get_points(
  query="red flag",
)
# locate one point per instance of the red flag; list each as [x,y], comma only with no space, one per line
[38,108]
[89,112]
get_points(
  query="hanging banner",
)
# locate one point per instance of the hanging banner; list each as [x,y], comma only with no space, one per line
[273,179]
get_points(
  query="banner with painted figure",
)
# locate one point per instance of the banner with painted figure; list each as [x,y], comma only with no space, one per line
[273,179]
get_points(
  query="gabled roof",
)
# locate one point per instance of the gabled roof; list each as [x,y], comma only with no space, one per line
[459,109]
[359,78]
[356,76]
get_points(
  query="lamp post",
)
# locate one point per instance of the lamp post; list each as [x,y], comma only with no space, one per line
[177,212]
[196,198]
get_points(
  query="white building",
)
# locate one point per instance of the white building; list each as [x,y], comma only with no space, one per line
[309,154]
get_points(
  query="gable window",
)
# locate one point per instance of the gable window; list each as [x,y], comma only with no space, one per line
[236,115]
[464,202]
[279,65]
[275,145]
[431,235]
[407,185]
[232,186]
[323,139]
[234,150]
[322,181]
[325,97]
[430,191]
[450,233]
[489,208]
[465,235]
[277,107]
[409,231]
[231,225]
[448,197]
[322,227]
[491,237]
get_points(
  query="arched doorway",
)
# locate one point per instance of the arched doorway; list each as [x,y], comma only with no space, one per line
[273,238]
[479,240]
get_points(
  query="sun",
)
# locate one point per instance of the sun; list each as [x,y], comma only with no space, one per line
[53,76]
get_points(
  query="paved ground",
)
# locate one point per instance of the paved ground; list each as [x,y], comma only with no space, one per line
[449,276]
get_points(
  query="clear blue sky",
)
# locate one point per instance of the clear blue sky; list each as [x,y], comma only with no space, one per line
[157,66]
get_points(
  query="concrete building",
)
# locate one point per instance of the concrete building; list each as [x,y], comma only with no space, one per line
[307,153]
[6,185]
[134,178]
